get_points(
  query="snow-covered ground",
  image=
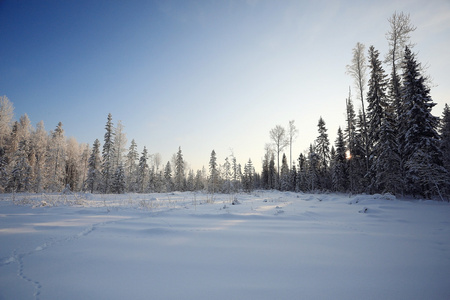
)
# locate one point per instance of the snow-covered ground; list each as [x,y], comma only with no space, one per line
[272,245]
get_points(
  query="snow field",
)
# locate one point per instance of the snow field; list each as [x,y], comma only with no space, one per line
[272,245]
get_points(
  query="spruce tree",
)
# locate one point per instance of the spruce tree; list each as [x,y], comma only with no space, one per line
[94,171]
[56,159]
[213,173]
[143,171]
[180,177]
[108,156]
[131,167]
[168,177]
[445,137]
[118,186]
[340,174]
[284,175]
[322,150]
[424,167]
[376,113]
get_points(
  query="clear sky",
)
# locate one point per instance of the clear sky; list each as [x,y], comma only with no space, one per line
[202,75]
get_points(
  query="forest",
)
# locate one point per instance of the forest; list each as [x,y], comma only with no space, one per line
[393,144]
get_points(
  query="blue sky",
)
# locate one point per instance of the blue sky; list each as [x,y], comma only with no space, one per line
[202,75]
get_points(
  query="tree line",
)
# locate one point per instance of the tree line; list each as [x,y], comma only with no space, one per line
[394,145]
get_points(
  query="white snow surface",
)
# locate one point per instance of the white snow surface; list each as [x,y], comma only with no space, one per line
[272,245]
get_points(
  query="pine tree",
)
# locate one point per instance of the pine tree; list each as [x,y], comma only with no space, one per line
[424,166]
[108,156]
[94,171]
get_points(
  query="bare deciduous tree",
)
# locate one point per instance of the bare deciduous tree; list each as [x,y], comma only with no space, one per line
[293,132]
[278,136]
[357,69]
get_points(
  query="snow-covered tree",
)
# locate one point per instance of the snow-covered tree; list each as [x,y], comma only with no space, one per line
[285,175]
[213,173]
[424,167]
[313,173]
[248,176]
[118,186]
[280,141]
[168,177]
[20,179]
[322,150]
[131,167]
[445,137]
[108,156]
[56,159]
[143,171]
[358,69]
[120,141]
[339,171]
[6,117]
[94,172]
[302,173]
[72,167]
[180,177]
[226,176]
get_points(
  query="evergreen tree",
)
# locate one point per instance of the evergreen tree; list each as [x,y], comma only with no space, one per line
[424,168]
[108,156]
[213,173]
[247,178]
[340,174]
[131,167]
[313,170]
[19,180]
[190,183]
[118,186]
[143,171]
[285,175]
[94,171]
[293,178]
[376,113]
[227,176]
[180,177]
[322,150]
[72,167]
[387,166]
[350,136]
[56,154]
[302,173]
[168,177]
[445,137]
[120,141]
